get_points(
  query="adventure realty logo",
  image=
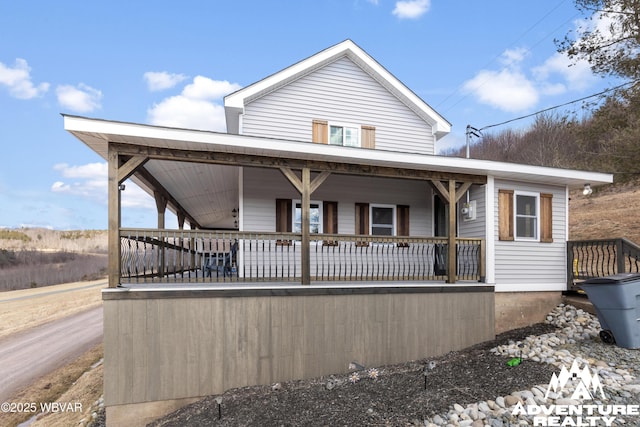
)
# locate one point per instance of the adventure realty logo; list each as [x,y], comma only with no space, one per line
[585,386]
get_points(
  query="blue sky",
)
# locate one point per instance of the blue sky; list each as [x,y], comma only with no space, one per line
[171,63]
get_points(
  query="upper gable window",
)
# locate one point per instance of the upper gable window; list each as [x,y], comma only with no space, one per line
[345,135]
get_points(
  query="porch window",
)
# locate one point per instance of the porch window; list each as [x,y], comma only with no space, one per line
[315,217]
[383,220]
[526,216]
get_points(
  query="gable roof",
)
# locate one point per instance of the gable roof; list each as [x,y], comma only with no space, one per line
[234,103]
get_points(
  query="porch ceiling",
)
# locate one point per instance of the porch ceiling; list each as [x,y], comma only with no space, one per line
[194,184]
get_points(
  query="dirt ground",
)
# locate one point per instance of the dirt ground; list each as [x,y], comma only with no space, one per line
[399,396]
[79,381]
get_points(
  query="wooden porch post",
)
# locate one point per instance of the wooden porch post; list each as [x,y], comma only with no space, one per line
[161,205]
[305,187]
[113,221]
[306,223]
[451,267]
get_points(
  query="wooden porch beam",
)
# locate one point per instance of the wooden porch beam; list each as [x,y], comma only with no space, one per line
[318,180]
[463,189]
[143,175]
[129,167]
[441,190]
[297,182]
[280,162]
[293,178]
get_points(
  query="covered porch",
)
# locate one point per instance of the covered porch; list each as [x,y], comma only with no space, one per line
[198,176]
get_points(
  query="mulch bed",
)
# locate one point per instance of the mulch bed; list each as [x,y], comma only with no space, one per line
[397,397]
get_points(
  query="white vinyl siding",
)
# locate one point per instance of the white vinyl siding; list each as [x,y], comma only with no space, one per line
[476,227]
[339,92]
[538,264]
[263,186]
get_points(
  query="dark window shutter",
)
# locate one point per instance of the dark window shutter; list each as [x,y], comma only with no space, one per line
[402,220]
[283,215]
[402,223]
[505,214]
[330,217]
[362,221]
[330,221]
[546,218]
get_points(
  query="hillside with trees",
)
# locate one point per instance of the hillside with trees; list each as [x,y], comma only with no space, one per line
[605,139]
[35,257]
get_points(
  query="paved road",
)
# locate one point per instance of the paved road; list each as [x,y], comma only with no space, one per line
[26,356]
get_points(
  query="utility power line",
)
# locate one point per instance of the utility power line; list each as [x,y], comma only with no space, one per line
[558,106]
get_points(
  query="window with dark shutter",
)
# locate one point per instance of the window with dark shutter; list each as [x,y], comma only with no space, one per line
[525,224]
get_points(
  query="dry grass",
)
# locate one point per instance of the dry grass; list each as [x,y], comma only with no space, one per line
[75,382]
[608,213]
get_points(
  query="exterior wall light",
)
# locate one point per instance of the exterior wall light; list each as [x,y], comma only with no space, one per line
[121,187]
[587,189]
[234,213]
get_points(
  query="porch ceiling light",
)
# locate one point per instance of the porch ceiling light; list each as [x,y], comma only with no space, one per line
[587,189]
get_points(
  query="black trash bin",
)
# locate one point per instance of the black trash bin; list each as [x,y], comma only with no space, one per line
[616,299]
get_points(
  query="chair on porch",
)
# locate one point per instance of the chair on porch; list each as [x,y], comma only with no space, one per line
[222,264]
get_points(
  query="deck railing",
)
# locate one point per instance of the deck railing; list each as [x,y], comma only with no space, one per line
[587,259]
[183,256]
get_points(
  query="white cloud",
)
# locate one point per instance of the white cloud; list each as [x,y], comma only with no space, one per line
[90,170]
[89,182]
[508,90]
[206,88]
[197,107]
[161,80]
[18,80]
[411,9]
[578,76]
[82,98]
[513,57]
[514,90]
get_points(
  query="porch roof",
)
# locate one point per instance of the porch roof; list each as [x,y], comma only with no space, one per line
[99,133]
